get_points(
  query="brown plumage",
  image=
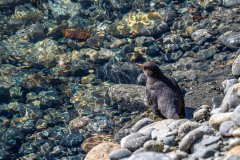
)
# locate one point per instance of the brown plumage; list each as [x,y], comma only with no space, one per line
[163,93]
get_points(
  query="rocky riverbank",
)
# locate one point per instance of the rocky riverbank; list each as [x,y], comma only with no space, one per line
[69,80]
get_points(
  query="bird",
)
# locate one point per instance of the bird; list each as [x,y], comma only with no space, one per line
[164,95]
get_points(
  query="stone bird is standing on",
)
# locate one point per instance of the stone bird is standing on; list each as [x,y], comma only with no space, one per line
[163,93]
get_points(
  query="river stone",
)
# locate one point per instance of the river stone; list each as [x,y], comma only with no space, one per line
[134,141]
[149,156]
[217,119]
[236,67]
[73,139]
[231,39]
[236,116]
[153,145]
[177,155]
[169,141]
[185,128]
[236,132]
[140,124]
[231,99]
[128,97]
[189,139]
[121,72]
[119,154]
[228,83]
[156,125]
[230,3]
[234,151]
[226,128]
[102,151]
[200,114]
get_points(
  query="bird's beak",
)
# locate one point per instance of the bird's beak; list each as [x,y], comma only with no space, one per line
[139,65]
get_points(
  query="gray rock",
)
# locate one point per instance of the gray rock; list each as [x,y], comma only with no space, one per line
[186,128]
[121,72]
[228,83]
[206,142]
[232,157]
[206,54]
[199,34]
[152,145]
[204,153]
[226,128]
[189,139]
[149,156]
[140,150]
[231,39]
[128,97]
[159,135]
[217,119]
[156,125]
[231,99]
[217,101]
[177,155]
[200,114]
[119,154]
[134,141]
[170,141]
[140,124]
[236,116]
[230,3]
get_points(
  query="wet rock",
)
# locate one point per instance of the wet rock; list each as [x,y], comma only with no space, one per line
[230,3]
[148,155]
[206,54]
[128,97]
[217,119]
[153,145]
[91,142]
[121,72]
[200,36]
[231,39]
[102,151]
[73,139]
[119,154]
[236,116]
[134,141]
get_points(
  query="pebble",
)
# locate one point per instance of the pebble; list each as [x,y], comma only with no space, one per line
[236,116]
[102,151]
[149,156]
[119,154]
[226,128]
[73,139]
[217,119]
[140,124]
[230,3]
[189,139]
[153,145]
[234,151]
[236,67]
[134,141]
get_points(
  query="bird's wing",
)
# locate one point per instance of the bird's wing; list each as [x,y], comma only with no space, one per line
[165,104]
[179,90]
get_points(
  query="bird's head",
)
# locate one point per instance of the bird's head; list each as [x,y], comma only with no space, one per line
[151,70]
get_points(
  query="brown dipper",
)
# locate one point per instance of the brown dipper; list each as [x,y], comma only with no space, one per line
[163,93]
